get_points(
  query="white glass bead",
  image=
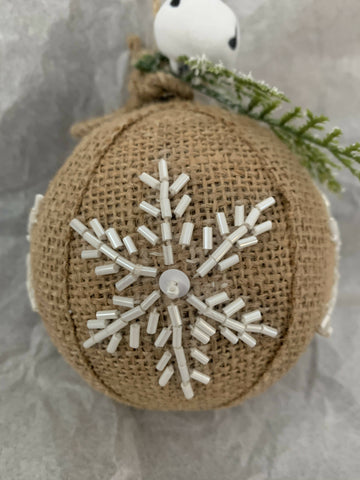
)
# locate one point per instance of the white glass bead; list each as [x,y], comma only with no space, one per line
[163,337]
[79,227]
[107,315]
[252,218]
[237,234]
[207,238]
[206,267]
[163,170]
[180,356]
[168,254]
[179,184]
[130,245]
[166,232]
[269,331]
[250,317]
[184,373]
[164,189]
[268,202]
[97,338]
[132,314]
[200,377]
[215,315]
[164,360]
[106,269]
[254,328]
[222,223]
[248,339]
[196,302]
[262,228]
[234,325]
[150,300]
[114,343]
[174,315]
[98,229]
[186,234]
[221,297]
[187,390]
[229,335]
[123,301]
[200,335]
[96,324]
[88,254]
[228,262]
[234,307]
[115,327]
[166,375]
[125,282]
[134,339]
[247,242]
[177,337]
[150,181]
[114,238]
[92,240]
[239,215]
[109,252]
[165,207]
[152,322]
[182,206]
[221,251]
[125,263]
[150,236]
[94,339]
[150,209]
[199,356]
[205,327]
[146,271]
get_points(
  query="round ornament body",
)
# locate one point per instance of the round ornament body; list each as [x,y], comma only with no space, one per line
[169,336]
[196,27]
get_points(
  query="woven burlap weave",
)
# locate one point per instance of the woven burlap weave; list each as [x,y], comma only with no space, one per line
[288,275]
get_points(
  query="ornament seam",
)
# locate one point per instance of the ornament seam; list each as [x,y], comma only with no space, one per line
[263,158]
[120,129]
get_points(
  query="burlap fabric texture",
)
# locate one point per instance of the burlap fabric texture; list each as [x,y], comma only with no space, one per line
[288,275]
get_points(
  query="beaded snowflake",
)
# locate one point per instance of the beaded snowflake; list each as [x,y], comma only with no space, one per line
[174,283]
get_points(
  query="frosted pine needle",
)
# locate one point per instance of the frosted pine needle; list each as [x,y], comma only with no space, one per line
[300,129]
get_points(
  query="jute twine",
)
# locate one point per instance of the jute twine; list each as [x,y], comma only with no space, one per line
[288,275]
[143,89]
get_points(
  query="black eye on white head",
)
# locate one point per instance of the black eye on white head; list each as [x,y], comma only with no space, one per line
[175,3]
[233,41]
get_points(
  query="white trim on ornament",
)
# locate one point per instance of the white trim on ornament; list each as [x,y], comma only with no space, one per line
[325,329]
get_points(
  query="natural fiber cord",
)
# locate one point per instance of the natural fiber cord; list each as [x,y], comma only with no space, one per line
[143,89]
[230,158]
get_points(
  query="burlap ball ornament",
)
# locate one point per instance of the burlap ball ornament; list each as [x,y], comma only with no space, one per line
[208,358]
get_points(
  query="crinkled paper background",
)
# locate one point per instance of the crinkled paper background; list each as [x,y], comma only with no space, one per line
[64,61]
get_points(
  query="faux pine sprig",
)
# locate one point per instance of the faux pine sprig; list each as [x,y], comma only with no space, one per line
[321,154]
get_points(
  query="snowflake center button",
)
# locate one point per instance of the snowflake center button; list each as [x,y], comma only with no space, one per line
[174,283]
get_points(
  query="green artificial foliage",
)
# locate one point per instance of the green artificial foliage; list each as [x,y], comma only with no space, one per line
[321,154]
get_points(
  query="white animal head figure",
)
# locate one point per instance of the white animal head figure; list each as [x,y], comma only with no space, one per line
[196,27]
